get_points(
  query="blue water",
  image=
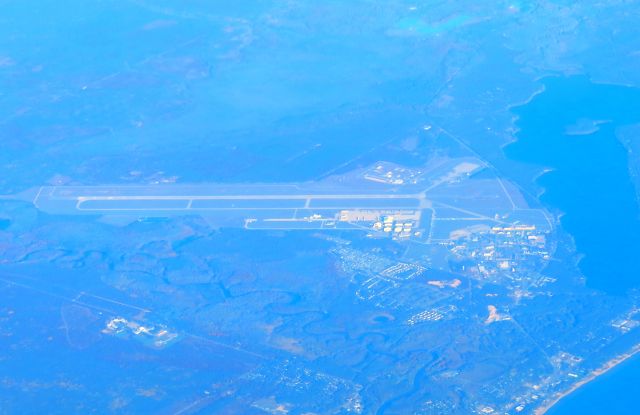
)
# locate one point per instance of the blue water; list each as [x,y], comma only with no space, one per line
[570,127]
[590,183]
[615,392]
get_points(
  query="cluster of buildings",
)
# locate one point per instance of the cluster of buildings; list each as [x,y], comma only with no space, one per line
[502,254]
[434,314]
[628,321]
[401,225]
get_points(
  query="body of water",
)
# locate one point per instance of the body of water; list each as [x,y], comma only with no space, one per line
[615,392]
[570,128]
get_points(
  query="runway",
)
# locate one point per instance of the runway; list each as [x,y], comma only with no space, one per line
[163,200]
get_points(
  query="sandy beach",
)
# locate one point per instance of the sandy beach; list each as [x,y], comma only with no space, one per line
[548,404]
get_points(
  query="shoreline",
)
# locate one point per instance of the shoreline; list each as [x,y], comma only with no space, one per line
[594,374]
